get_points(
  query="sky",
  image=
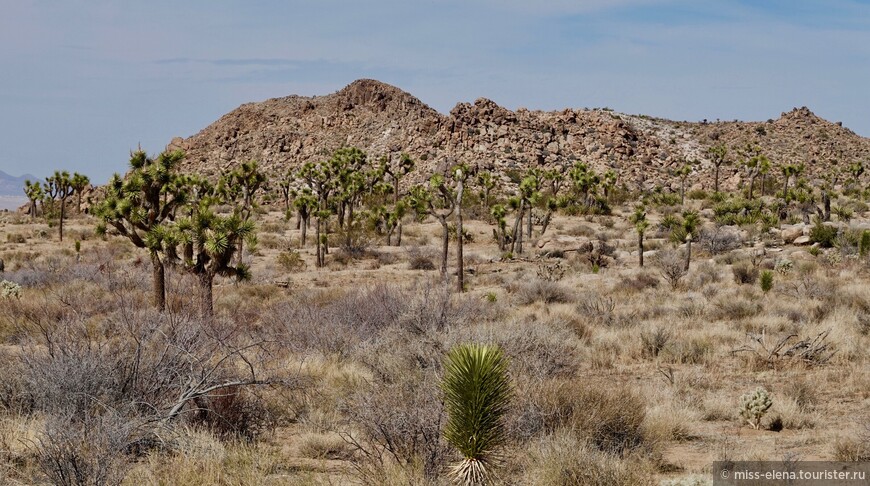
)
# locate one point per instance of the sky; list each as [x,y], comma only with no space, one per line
[82,82]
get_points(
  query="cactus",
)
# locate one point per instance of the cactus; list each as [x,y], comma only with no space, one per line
[754,405]
[9,290]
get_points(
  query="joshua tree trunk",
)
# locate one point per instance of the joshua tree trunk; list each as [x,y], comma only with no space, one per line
[546,223]
[399,233]
[520,242]
[460,267]
[304,228]
[826,203]
[516,231]
[763,182]
[529,223]
[62,215]
[206,302]
[158,281]
[445,243]
[640,249]
[688,251]
[715,179]
[79,202]
[751,184]
[682,192]
[319,257]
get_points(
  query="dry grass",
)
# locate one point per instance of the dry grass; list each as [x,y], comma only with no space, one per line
[620,377]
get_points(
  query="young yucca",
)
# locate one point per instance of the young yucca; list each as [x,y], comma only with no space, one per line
[477,392]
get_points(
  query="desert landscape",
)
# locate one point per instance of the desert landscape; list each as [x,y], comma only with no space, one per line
[285,297]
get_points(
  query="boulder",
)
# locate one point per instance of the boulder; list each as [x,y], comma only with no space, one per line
[802,241]
[789,233]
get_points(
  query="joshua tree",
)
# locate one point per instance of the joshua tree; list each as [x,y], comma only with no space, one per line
[477,393]
[683,173]
[320,179]
[305,203]
[207,241]
[440,201]
[685,232]
[487,183]
[638,219]
[528,193]
[584,182]
[34,193]
[763,170]
[59,187]
[285,185]
[239,187]
[752,164]
[79,183]
[139,205]
[789,171]
[498,213]
[718,155]
[460,175]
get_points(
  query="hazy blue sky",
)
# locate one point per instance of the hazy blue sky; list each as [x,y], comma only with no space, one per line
[84,81]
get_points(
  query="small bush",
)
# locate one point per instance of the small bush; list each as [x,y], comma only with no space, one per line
[672,264]
[824,235]
[291,261]
[419,260]
[543,291]
[766,281]
[745,273]
[653,342]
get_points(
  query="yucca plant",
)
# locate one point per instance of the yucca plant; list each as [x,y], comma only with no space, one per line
[477,393]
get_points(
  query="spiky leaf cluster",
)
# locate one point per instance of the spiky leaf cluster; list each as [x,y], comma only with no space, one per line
[754,405]
[477,393]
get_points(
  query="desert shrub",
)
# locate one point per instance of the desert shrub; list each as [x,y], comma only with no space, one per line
[608,418]
[719,239]
[654,341]
[603,311]
[639,282]
[233,413]
[290,261]
[551,272]
[85,450]
[824,235]
[420,260]
[766,281]
[745,273]
[396,422]
[545,291]
[733,307]
[543,349]
[672,265]
[563,459]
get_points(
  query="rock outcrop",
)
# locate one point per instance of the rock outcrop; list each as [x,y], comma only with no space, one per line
[284,133]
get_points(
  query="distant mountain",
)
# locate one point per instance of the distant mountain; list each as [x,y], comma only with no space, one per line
[13,186]
[383,120]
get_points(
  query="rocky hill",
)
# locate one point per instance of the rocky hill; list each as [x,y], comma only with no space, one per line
[383,120]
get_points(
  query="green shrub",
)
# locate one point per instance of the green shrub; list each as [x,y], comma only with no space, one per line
[766,281]
[823,234]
